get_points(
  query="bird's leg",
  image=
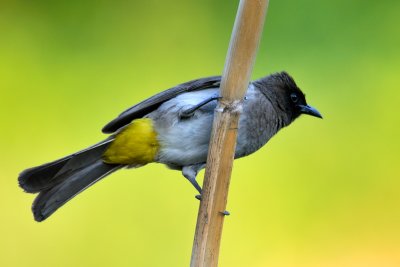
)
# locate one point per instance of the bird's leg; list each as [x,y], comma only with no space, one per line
[189,112]
[190,173]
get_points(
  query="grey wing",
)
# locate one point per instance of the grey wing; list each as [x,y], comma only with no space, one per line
[152,103]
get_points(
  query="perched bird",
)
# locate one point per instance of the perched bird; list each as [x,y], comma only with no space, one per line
[173,128]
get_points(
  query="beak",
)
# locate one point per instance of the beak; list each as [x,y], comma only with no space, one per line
[306,109]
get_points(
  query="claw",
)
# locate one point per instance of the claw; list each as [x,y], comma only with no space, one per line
[187,113]
[225,213]
[198,197]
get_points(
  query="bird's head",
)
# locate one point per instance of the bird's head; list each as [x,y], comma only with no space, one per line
[284,94]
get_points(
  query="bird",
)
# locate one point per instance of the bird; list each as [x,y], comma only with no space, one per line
[172,127]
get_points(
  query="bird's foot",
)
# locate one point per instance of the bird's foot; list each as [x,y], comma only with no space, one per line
[189,112]
[225,213]
[186,114]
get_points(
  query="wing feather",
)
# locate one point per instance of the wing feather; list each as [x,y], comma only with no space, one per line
[152,103]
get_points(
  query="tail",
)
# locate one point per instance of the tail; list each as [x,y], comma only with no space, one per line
[59,181]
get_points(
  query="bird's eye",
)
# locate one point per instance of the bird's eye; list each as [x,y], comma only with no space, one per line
[294,97]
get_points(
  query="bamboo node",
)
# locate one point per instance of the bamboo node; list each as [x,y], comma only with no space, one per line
[235,106]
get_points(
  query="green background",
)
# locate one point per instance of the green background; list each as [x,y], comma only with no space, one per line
[321,193]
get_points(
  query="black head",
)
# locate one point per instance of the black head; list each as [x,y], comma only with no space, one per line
[284,94]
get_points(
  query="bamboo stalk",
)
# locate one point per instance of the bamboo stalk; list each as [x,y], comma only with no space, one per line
[239,64]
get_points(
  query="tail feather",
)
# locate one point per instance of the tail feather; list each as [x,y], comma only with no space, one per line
[34,179]
[39,178]
[49,200]
[59,181]
[85,157]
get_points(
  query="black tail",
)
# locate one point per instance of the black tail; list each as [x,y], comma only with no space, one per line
[59,181]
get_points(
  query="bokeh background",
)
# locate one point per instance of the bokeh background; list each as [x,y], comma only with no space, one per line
[321,193]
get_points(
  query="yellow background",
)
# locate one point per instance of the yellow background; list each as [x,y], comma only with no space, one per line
[321,193]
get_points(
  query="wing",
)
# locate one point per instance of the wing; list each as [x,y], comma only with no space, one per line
[152,103]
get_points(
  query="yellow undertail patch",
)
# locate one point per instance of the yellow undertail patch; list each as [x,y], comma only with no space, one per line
[136,144]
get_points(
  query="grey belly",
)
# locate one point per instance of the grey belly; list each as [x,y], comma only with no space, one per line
[184,142]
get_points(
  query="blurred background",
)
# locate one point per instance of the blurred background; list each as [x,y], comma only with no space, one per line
[321,193]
